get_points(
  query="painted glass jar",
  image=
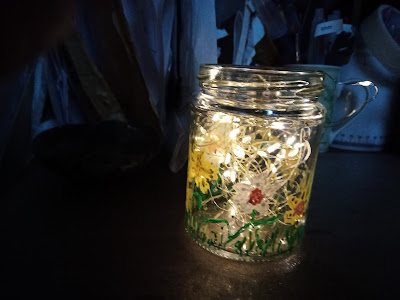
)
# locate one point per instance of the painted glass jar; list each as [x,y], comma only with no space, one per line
[253,147]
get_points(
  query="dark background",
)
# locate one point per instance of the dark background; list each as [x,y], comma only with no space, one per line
[123,237]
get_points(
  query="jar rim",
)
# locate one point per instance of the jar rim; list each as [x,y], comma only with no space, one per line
[255,84]
[283,70]
[261,91]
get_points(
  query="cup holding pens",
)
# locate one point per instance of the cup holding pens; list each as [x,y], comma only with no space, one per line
[330,97]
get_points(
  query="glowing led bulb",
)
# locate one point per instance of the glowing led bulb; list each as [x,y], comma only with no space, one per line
[273,147]
[216,117]
[246,139]
[239,152]
[225,119]
[290,140]
[262,153]
[293,152]
[233,176]
[278,125]
[282,153]
[199,138]
[234,133]
[233,212]
[295,149]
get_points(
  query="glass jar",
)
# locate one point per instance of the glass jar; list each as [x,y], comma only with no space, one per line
[253,146]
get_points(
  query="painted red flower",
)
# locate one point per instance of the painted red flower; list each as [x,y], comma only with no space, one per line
[256,196]
[299,209]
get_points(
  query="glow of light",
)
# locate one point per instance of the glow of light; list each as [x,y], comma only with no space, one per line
[236,168]
[293,152]
[273,147]
[295,149]
[199,138]
[233,176]
[216,117]
[202,130]
[283,242]
[220,157]
[278,125]
[225,119]
[282,153]
[214,137]
[236,119]
[246,139]
[262,153]
[273,169]
[244,246]
[239,152]
[228,158]
[365,83]
[233,212]
[213,74]
[234,133]
[290,140]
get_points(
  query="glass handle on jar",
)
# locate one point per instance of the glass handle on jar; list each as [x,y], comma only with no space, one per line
[336,126]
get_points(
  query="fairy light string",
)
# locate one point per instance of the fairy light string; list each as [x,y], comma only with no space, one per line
[247,149]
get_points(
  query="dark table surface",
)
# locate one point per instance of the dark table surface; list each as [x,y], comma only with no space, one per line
[124,238]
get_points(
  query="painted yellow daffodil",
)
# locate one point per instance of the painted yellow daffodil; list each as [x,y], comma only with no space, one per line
[297,211]
[189,194]
[290,217]
[201,170]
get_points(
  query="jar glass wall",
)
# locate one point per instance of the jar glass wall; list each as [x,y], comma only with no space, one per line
[252,152]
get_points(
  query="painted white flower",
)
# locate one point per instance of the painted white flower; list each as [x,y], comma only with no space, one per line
[255,194]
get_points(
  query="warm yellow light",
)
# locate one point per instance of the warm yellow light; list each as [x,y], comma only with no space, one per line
[246,139]
[282,153]
[233,176]
[295,149]
[225,119]
[290,140]
[228,158]
[199,138]
[239,152]
[278,125]
[213,73]
[216,117]
[293,152]
[233,212]
[262,153]
[234,133]
[273,147]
